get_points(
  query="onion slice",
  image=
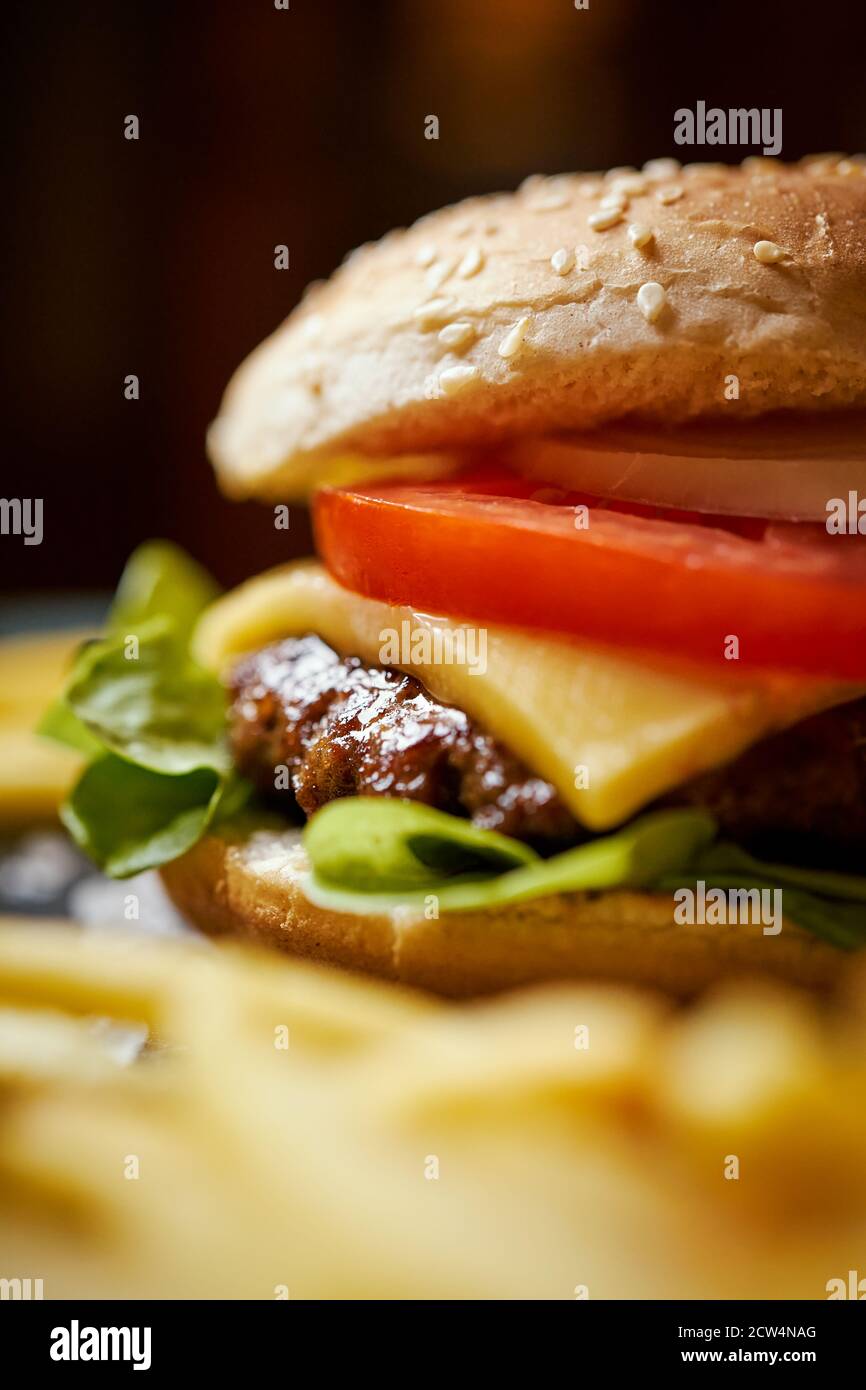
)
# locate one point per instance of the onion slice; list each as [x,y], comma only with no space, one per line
[785,471]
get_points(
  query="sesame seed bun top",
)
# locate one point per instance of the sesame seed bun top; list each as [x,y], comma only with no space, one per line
[576,300]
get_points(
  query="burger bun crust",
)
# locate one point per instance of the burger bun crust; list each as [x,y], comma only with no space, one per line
[248,882]
[405,350]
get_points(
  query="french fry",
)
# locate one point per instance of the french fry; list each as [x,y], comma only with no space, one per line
[43,1045]
[127,977]
[35,774]
[294,1132]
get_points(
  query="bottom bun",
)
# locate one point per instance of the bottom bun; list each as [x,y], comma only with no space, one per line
[248,881]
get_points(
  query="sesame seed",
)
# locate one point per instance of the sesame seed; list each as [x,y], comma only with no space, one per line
[847,167]
[659,169]
[582,256]
[639,235]
[651,300]
[513,340]
[453,379]
[629,185]
[607,217]
[669,195]
[311,326]
[705,170]
[562,260]
[550,202]
[471,263]
[821,163]
[358,253]
[768,253]
[614,201]
[547,191]
[531,184]
[758,164]
[432,314]
[456,335]
[620,171]
[425,255]
[438,274]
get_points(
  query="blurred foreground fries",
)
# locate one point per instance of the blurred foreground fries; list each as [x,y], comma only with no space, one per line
[292,1132]
[35,774]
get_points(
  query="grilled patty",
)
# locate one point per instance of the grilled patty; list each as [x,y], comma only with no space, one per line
[308,726]
[343,729]
[799,795]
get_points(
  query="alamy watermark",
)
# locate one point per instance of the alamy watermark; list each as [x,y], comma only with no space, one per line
[721,907]
[846,516]
[851,1287]
[755,125]
[77,1343]
[22,516]
[21,1290]
[426,646]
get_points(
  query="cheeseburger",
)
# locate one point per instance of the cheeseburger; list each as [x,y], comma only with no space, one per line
[577,685]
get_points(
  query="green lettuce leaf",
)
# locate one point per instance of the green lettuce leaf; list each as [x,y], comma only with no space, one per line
[60,724]
[144,698]
[724,857]
[160,580]
[128,818]
[829,905]
[368,853]
[385,845]
[151,721]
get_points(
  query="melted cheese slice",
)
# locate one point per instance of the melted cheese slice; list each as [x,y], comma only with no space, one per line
[610,730]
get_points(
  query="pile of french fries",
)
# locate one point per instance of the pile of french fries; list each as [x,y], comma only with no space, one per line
[35,774]
[290,1132]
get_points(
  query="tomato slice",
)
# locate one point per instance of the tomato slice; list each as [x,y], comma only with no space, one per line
[492,547]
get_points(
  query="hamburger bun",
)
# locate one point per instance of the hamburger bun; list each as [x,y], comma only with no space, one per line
[512,315]
[552,310]
[248,881]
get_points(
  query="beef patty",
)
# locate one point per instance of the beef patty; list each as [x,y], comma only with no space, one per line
[340,728]
[343,729]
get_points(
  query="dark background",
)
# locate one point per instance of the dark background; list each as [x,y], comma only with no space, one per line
[303,127]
